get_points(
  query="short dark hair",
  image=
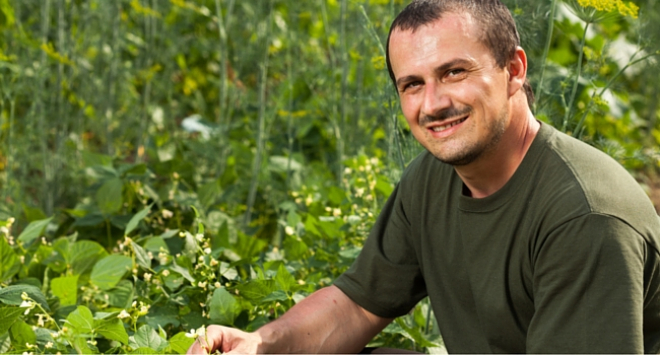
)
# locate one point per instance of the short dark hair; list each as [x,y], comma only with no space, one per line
[498,29]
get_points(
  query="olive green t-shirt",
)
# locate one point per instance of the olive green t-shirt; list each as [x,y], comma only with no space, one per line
[563,258]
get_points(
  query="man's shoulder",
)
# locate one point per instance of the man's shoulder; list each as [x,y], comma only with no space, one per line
[577,178]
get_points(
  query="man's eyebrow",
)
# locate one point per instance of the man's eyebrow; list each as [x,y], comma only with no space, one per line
[444,67]
[453,63]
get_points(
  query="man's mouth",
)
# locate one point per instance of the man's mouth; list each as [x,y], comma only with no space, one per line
[447,126]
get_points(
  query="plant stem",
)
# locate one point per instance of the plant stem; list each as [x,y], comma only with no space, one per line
[263,77]
[222,52]
[392,112]
[569,109]
[579,128]
[546,49]
[342,102]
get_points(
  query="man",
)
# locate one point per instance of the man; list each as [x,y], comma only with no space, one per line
[525,240]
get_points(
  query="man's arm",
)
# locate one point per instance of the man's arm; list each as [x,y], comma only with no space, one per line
[589,289]
[325,322]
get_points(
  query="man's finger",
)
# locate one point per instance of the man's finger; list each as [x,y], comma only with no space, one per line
[199,347]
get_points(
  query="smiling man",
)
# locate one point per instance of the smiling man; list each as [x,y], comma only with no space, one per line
[525,240]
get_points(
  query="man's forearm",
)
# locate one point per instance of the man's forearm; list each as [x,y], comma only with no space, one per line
[325,322]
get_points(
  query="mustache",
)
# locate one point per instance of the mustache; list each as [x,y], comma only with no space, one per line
[445,114]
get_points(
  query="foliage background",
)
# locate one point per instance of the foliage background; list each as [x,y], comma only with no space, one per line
[276,120]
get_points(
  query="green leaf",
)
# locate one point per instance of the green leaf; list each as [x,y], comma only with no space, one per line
[8,315]
[109,196]
[311,224]
[284,279]
[135,220]
[209,193]
[384,186]
[146,337]
[278,295]
[145,351]
[91,159]
[180,343]
[155,244]
[66,288]
[223,308]
[256,290]
[109,270]
[81,320]
[81,346]
[11,295]
[183,271]
[112,329]
[34,230]
[9,264]
[415,335]
[190,246]
[141,256]
[121,295]
[350,253]
[21,333]
[84,254]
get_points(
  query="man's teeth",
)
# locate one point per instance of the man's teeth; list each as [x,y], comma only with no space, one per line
[442,128]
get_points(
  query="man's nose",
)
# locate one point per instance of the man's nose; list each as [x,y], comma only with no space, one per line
[436,99]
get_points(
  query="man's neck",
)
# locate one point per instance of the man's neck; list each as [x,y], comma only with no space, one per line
[491,172]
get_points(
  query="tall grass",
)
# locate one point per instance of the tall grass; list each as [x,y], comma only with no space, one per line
[118,77]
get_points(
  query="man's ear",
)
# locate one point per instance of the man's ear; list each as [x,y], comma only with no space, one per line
[517,71]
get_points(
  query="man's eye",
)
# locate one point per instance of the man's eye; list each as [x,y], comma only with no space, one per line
[411,85]
[455,72]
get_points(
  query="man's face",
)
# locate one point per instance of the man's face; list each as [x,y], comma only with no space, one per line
[453,94]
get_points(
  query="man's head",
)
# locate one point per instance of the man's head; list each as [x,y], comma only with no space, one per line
[461,89]
[498,30]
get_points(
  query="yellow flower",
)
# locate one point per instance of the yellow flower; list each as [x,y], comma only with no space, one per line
[625,9]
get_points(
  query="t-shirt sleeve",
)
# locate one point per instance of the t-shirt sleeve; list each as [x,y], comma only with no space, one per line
[588,278]
[385,279]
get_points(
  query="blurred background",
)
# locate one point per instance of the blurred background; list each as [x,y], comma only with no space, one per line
[255,97]
[275,119]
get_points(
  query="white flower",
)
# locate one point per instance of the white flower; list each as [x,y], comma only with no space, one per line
[201,332]
[26,304]
[192,334]
[166,273]
[4,230]
[167,213]
[289,230]
[49,345]
[123,314]
[147,276]
[199,237]
[207,250]
[143,310]
[202,284]
[196,333]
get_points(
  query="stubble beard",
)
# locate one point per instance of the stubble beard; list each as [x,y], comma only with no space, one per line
[470,153]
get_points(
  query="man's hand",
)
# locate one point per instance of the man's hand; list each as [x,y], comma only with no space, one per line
[227,341]
[327,321]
